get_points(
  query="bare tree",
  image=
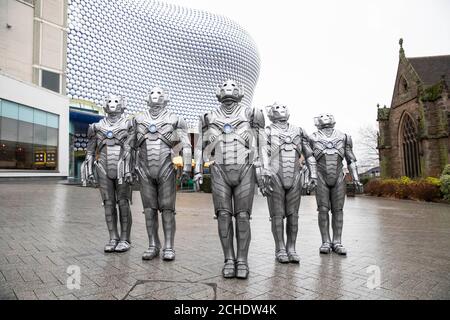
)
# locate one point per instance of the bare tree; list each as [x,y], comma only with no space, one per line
[366,144]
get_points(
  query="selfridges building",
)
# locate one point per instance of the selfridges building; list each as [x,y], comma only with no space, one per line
[128,46]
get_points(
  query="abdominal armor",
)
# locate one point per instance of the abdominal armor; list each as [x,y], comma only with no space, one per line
[285,149]
[229,137]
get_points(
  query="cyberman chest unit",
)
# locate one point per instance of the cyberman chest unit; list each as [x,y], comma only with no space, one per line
[110,138]
[285,150]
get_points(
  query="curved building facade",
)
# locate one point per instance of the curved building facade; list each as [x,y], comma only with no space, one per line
[129,46]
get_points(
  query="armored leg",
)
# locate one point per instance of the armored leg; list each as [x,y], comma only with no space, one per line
[225,226]
[123,194]
[149,196]
[243,195]
[125,226]
[291,233]
[276,204]
[222,198]
[169,227]
[337,217]
[107,190]
[166,204]
[324,227]
[293,196]
[243,236]
[151,222]
[323,208]
[278,236]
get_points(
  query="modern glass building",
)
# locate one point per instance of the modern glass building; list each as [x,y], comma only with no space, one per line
[28,137]
[34,108]
[62,57]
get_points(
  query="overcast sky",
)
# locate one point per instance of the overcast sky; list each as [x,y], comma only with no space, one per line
[334,56]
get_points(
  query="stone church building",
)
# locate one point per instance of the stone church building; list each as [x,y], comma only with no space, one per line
[414,132]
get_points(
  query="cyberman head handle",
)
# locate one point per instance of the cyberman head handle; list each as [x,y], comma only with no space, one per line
[324,121]
[114,104]
[277,112]
[230,92]
[157,99]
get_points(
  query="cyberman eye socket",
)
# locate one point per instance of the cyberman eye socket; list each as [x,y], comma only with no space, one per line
[233,85]
[116,101]
[159,92]
[225,84]
[152,92]
[109,101]
[277,107]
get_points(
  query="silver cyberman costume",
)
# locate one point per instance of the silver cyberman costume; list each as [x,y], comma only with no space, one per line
[155,134]
[227,138]
[330,148]
[285,145]
[108,158]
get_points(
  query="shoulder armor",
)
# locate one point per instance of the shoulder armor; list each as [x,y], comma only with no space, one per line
[303,133]
[258,120]
[182,123]
[91,130]
[138,118]
[204,119]
[349,141]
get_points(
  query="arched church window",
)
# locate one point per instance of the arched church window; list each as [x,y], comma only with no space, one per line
[410,147]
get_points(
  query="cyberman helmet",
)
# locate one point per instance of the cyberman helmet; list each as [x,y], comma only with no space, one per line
[230,91]
[324,121]
[277,112]
[114,104]
[157,99]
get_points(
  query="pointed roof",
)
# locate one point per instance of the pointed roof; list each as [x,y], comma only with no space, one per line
[431,69]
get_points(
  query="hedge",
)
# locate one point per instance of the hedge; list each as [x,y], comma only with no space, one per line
[428,189]
[445,183]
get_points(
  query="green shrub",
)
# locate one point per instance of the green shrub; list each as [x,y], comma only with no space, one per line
[427,189]
[365,180]
[206,185]
[446,170]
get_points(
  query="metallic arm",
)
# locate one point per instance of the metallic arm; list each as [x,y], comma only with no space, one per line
[125,166]
[198,152]
[351,159]
[261,161]
[309,155]
[258,124]
[88,164]
[186,152]
[264,148]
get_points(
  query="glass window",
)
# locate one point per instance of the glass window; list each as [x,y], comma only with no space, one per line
[39,152]
[52,120]
[52,137]
[10,109]
[8,155]
[25,132]
[24,156]
[28,137]
[40,117]
[9,129]
[25,113]
[50,80]
[40,134]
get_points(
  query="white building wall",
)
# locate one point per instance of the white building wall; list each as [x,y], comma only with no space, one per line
[16,41]
[46,100]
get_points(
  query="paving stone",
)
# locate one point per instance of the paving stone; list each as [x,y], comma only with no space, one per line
[41,238]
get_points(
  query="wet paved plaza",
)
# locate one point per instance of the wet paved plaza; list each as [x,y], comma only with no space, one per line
[47,227]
